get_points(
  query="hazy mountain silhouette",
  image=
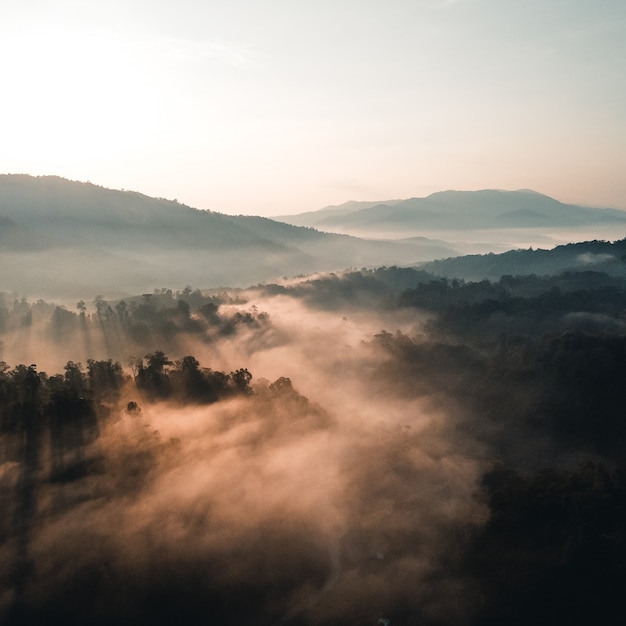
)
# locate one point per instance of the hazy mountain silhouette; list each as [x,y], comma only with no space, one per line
[310,218]
[14,236]
[454,210]
[87,237]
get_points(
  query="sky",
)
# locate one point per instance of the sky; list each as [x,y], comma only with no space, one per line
[271,107]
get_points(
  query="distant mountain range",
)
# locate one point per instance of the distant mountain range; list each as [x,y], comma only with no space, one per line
[62,238]
[59,237]
[453,211]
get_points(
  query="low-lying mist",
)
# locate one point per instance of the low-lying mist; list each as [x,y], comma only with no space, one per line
[320,452]
[309,497]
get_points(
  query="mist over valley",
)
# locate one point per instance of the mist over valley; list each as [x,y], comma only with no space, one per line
[65,238]
[433,442]
[312,313]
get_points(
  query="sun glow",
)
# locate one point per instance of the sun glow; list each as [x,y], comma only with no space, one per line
[239,107]
[75,96]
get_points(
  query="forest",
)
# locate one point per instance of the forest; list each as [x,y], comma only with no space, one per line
[327,450]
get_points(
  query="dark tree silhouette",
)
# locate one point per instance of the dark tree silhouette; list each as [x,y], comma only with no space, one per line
[153,378]
[73,423]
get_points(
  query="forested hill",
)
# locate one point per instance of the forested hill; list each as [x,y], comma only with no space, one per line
[476,451]
[605,256]
[90,238]
[77,213]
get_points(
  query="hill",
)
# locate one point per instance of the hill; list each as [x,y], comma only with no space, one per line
[602,256]
[311,218]
[487,215]
[65,238]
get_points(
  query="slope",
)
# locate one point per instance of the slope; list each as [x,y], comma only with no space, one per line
[468,210]
[601,256]
[102,240]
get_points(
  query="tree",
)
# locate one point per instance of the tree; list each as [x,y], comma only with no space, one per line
[153,379]
[241,381]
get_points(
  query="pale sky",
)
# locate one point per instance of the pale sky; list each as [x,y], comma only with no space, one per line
[283,106]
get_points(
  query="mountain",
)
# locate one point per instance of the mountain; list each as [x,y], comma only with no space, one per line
[311,218]
[596,256]
[60,237]
[14,236]
[454,211]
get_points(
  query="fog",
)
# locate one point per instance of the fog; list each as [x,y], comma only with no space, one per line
[326,456]
[318,498]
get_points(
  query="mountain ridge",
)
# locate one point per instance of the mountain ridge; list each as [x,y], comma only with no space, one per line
[452,209]
[123,241]
[593,255]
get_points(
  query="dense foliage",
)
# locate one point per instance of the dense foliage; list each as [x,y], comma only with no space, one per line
[528,369]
